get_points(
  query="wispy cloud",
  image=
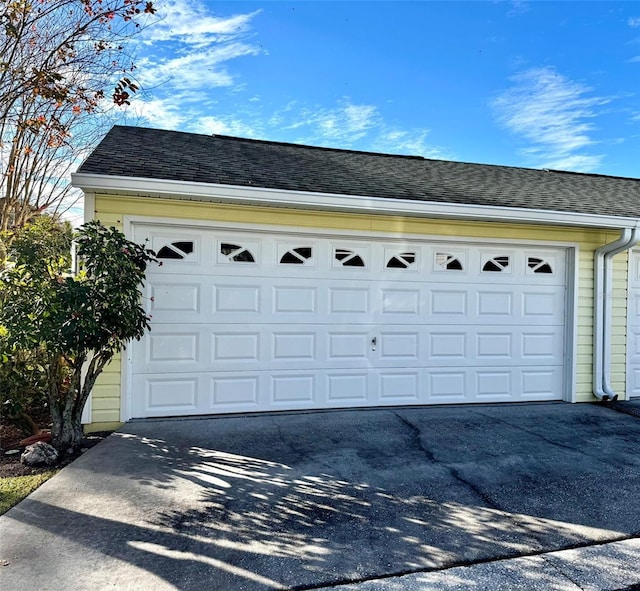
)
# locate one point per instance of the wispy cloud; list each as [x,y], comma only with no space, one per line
[554,114]
[189,84]
[343,124]
[196,69]
[518,7]
[192,22]
[188,47]
[634,22]
[225,126]
[412,143]
[351,126]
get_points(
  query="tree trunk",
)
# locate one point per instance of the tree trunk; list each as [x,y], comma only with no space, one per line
[66,416]
[67,431]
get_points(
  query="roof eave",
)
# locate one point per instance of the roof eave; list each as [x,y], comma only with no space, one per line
[218,193]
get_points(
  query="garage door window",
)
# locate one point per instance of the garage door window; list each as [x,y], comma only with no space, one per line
[176,250]
[297,256]
[538,265]
[498,264]
[235,253]
[404,260]
[347,258]
[448,262]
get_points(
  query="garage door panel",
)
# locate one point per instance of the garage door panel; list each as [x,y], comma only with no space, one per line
[300,299]
[222,392]
[167,395]
[176,347]
[245,321]
[239,346]
[169,348]
[396,345]
[538,304]
[347,345]
[399,303]
[234,299]
[170,298]
[401,387]
[236,392]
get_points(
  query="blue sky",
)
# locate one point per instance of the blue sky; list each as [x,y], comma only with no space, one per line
[537,84]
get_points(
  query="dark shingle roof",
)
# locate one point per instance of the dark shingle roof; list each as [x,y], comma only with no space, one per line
[171,155]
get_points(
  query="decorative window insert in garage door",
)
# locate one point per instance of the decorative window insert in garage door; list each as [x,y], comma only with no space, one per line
[268,321]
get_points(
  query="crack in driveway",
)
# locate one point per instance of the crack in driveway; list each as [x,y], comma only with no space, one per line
[418,444]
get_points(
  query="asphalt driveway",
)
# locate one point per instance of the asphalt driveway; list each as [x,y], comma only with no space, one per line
[329,498]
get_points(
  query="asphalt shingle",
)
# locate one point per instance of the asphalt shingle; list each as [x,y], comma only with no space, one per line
[171,155]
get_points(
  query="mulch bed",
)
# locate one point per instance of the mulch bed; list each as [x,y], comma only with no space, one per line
[10,465]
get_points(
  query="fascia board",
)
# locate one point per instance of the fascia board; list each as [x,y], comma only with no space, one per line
[216,193]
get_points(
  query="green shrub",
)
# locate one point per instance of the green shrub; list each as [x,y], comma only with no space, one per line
[23,384]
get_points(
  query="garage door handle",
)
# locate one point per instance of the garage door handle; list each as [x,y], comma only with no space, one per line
[374,342]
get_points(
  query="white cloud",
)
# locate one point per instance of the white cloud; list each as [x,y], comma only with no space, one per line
[196,69]
[634,21]
[191,21]
[187,47]
[345,123]
[161,113]
[634,60]
[412,143]
[554,114]
[349,126]
[224,126]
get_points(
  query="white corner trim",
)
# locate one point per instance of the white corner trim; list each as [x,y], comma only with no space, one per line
[143,187]
[89,206]
[571,323]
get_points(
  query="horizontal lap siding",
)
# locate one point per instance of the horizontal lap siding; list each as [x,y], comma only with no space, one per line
[112,210]
[619,324]
[584,381]
[105,398]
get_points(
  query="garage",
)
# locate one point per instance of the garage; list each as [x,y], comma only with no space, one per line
[300,277]
[265,320]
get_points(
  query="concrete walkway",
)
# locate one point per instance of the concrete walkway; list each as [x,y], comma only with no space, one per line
[532,496]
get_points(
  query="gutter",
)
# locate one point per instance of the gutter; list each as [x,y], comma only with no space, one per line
[217,193]
[602,308]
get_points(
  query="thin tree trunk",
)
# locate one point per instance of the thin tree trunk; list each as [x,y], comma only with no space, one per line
[66,418]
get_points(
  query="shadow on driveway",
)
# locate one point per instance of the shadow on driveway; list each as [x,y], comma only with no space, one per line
[309,500]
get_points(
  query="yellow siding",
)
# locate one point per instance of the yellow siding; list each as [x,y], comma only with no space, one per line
[105,398]
[619,324]
[111,210]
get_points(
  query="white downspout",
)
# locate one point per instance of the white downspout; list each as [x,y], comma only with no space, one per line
[603,263]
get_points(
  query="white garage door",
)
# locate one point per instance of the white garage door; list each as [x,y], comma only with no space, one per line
[264,321]
[633,339]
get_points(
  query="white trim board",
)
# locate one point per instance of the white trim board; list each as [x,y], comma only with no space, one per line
[131,220]
[182,190]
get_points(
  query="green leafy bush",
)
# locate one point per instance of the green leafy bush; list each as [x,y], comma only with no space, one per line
[23,384]
[78,321]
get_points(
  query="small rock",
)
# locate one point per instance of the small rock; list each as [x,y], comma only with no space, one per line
[39,454]
[83,449]
[11,452]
